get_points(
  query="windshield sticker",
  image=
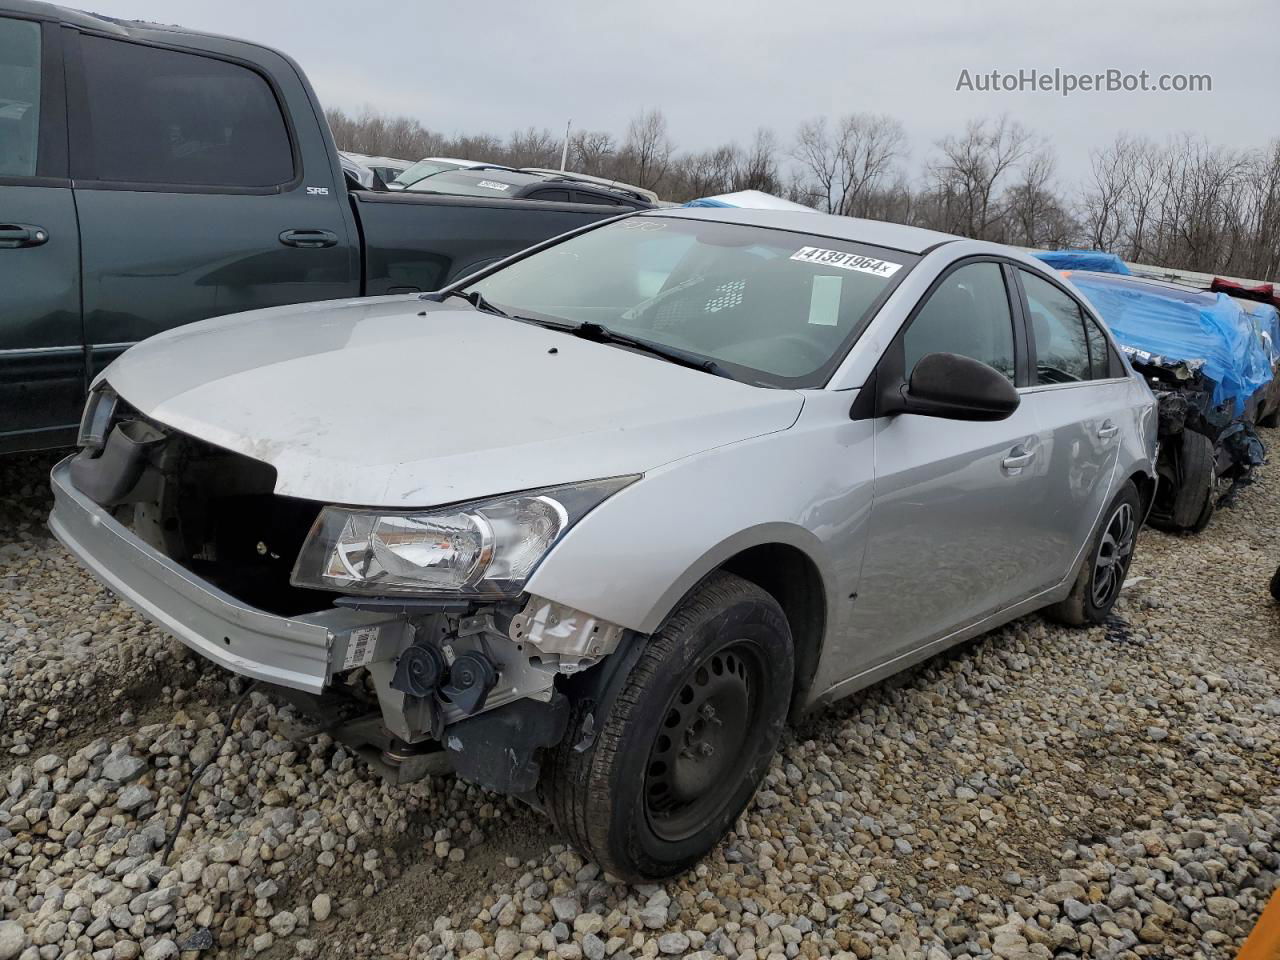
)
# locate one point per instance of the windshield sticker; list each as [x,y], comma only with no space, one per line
[846,261]
[824,300]
[493,185]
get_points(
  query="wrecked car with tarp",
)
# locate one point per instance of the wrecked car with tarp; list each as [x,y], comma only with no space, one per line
[1210,360]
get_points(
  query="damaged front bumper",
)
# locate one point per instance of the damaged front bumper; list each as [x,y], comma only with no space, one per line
[301,652]
[488,735]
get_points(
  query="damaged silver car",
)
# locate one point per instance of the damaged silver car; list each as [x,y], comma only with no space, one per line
[589,526]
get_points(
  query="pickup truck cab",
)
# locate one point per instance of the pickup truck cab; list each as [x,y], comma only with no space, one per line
[151,176]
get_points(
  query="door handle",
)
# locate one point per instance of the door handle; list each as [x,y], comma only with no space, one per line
[1018,458]
[1107,430]
[309,239]
[14,235]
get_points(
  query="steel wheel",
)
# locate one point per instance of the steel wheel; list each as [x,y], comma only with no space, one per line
[699,754]
[1115,550]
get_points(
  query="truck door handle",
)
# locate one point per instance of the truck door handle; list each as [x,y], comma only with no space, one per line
[309,239]
[1107,430]
[22,235]
[1019,457]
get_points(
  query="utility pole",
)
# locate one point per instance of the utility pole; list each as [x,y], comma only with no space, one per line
[564,151]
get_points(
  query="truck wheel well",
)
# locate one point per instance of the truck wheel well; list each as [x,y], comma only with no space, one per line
[791,578]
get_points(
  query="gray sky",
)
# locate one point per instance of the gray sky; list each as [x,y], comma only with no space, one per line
[721,68]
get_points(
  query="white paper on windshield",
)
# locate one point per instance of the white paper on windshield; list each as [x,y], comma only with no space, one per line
[846,261]
[824,300]
[493,185]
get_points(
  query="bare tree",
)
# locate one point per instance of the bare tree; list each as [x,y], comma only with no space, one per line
[646,153]
[968,176]
[533,148]
[592,151]
[847,166]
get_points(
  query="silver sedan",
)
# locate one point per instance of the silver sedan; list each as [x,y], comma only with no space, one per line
[591,525]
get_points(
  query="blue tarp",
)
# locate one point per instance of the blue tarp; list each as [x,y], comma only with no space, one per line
[1094,260]
[1266,319]
[1208,330]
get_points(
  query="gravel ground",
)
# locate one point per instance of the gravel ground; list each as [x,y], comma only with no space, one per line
[1038,792]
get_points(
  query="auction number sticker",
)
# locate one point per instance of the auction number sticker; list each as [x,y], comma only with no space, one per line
[846,261]
[360,645]
[493,185]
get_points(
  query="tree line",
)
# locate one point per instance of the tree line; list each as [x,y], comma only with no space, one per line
[1181,203]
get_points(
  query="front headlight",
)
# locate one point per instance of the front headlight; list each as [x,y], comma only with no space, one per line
[95,423]
[482,549]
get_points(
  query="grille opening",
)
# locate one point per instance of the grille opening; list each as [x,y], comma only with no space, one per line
[213,512]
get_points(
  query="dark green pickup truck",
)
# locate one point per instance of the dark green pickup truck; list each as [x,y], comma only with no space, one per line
[151,176]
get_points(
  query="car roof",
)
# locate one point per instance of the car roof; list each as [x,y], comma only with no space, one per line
[875,232]
[522,178]
[466,164]
[587,178]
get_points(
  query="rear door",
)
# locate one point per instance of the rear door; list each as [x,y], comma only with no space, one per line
[1080,395]
[41,347]
[191,187]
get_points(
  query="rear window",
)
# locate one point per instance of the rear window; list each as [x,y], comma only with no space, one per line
[159,116]
[19,96]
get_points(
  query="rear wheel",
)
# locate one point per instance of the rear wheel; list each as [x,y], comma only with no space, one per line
[683,739]
[1105,565]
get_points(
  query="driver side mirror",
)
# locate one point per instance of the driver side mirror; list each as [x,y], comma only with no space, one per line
[953,387]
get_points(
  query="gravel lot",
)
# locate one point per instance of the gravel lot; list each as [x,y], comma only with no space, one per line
[1038,792]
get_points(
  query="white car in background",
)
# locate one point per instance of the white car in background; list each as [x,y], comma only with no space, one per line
[430,166]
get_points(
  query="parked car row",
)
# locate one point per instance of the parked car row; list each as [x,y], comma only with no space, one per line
[1211,357]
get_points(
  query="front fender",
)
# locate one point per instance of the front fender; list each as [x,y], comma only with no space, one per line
[633,558]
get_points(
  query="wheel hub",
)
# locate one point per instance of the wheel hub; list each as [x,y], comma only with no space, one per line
[701,743]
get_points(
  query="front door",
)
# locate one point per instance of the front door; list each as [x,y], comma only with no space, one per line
[954,531]
[41,347]
[191,191]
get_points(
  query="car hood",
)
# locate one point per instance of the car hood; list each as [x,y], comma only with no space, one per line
[396,401]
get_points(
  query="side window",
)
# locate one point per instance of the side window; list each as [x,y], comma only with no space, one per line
[1099,350]
[581,196]
[967,314]
[557,195]
[1061,347]
[19,97]
[159,116]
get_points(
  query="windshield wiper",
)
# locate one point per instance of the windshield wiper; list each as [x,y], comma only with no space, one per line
[685,358]
[475,298]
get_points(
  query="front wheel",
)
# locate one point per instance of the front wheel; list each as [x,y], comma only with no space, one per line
[1105,564]
[684,739]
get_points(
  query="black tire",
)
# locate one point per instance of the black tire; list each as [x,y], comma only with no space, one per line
[1275,585]
[1192,506]
[687,733]
[1111,548]
[1271,418]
